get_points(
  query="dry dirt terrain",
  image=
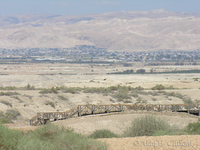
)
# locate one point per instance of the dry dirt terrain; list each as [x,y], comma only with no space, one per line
[182,142]
[29,102]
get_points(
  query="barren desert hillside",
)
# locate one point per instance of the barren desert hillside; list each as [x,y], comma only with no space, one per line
[120,31]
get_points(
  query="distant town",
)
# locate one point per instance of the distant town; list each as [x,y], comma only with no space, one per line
[92,54]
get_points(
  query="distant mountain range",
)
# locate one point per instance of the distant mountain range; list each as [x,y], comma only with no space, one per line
[117,31]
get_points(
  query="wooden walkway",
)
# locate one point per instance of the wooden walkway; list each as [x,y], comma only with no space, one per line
[80,110]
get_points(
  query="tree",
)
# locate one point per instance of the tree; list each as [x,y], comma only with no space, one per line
[141,71]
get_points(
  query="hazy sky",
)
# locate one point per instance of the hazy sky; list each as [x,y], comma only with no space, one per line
[78,7]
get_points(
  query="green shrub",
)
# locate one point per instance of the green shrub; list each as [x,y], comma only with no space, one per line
[8,93]
[141,71]
[179,95]
[8,88]
[197,101]
[187,101]
[72,90]
[99,90]
[154,93]
[145,126]
[29,87]
[170,87]
[158,87]
[128,101]
[52,104]
[47,137]
[113,88]
[9,138]
[12,114]
[139,88]
[140,100]
[193,128]
[103,134]
[171,94]
[3,118]
[46,91]
[51,137]
[120,96]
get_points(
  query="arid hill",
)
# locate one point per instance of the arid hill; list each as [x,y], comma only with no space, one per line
[122,31]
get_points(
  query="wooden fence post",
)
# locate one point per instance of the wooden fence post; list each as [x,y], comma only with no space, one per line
[188,109]
[199,109]
[93,109]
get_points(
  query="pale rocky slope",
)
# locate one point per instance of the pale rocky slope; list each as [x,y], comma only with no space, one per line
[130,31]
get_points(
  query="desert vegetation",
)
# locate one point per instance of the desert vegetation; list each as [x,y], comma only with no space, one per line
[52,137]
[6,103]
[123,93]
[150,125]
[51,103]
[146,126]
[104,133]
[9,116]
[48,137]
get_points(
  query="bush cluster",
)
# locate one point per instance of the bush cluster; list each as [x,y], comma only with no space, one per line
[30,87]
[8,88]
[104,133]
[121,93]
[47,91]
[193,128]
[52,104]
[48,137]
[10,114]
[3,118]
[158,87]
[8,93]
[145,126]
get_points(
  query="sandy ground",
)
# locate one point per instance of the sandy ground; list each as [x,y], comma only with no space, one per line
[146,81]
[182,142]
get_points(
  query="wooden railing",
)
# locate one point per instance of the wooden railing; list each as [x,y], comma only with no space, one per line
[43,117]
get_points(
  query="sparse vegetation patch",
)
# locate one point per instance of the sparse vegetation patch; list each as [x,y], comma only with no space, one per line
[12,114]
[6,103]
[103,134]
[52,104]
[64,98]
[47,91]
[8,93]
